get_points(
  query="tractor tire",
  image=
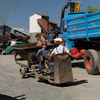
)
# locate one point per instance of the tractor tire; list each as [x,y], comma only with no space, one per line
[22,72]
[26,70]
[91,62]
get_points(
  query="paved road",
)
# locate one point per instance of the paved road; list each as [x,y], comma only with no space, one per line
[12,87]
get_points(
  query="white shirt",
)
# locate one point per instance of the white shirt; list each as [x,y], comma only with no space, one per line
[60,49]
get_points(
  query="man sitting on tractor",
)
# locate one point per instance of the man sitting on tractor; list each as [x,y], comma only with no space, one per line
[58,50]
[42,52]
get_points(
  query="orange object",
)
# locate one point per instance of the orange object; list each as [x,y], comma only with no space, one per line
[83,51]
[74,50]
[39,39]
[77,55]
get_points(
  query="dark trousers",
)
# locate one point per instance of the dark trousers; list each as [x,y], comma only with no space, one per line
[51,66]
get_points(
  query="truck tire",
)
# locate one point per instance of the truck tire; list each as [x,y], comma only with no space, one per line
[98,61]
[22,72]
[91,62]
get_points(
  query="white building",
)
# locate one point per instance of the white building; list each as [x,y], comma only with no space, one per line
[34,26]
[39,23]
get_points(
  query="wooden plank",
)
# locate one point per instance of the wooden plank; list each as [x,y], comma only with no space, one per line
[22,63]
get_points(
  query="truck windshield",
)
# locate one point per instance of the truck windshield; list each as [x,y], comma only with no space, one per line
[64,26]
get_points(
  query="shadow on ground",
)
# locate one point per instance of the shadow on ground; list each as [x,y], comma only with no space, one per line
[74,83]
[78,64]
[5,97]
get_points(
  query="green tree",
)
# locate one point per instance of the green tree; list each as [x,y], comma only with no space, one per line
[95,9]
[89,8]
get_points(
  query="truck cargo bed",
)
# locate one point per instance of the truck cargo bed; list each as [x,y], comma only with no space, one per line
[83,25]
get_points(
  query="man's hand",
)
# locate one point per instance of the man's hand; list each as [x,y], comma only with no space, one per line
[70,53]
[39,52]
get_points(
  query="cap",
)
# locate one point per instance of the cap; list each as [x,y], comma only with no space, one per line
[44,43]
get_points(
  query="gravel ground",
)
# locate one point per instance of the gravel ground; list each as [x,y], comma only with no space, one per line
[12,87]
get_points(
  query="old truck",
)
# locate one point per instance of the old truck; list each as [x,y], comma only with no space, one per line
[82,34]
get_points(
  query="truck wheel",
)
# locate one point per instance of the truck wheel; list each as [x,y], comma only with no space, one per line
[91,62]
[98,61]
[22,72]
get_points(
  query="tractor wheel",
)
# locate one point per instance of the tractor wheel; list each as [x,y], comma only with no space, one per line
[91,62]
[26,70]
[22,72]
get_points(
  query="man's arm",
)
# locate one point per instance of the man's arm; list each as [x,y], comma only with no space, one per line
[51,55]
[66,49]
[53,52]
[70,53]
